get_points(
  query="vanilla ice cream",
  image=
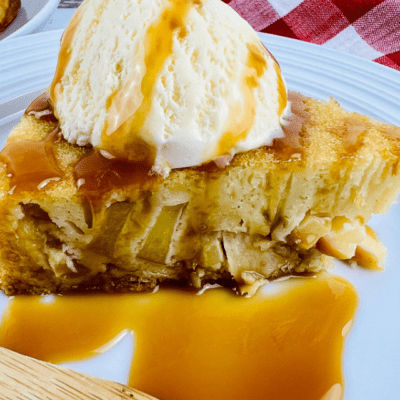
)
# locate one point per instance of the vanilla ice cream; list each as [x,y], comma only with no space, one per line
[182,81]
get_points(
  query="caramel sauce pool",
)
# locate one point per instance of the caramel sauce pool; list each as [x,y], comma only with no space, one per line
[281,346]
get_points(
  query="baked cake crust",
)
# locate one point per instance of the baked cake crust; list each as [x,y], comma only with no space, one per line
[8,12]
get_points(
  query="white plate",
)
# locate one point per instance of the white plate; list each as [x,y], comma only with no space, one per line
[32,14]
[372,359]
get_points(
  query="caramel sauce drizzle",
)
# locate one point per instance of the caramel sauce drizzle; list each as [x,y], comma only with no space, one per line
[282,345]
[41,108]
[64,55]
[158,48]
[283,97]
[31,163]
[281,90]
[96,175]
[242,114]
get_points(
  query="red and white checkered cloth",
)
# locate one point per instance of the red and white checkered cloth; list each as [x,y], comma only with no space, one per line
[367,28]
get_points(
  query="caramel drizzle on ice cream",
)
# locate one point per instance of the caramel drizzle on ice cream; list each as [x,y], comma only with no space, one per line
[281,90]
[65,53]
[243,112]
[158,47]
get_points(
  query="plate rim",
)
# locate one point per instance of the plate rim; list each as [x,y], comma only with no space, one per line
[36,21]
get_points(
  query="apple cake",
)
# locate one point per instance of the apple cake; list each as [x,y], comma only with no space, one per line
[76,219]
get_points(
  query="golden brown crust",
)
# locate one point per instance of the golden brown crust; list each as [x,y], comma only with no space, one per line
[10,14]
[44,282]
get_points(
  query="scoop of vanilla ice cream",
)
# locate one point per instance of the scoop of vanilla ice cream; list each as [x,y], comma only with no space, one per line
[188,81]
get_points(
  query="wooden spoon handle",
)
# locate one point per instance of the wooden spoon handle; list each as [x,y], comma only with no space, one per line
[23,378]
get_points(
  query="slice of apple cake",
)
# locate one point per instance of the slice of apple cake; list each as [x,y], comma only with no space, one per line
[76,219]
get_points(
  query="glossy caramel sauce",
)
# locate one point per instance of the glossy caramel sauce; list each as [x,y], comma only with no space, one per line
[64,54]
[41,103]
[41,108]
[97,175]
[158,47]
[31,163]
[283,345]
[283,97]
[242,114]
[284,152]
[281,90]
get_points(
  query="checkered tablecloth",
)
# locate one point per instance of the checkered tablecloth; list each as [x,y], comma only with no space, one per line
[366,28]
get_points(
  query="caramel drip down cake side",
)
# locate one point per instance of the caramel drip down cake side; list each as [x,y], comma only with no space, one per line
[271,212]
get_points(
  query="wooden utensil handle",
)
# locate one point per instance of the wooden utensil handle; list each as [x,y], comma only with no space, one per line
[23,378]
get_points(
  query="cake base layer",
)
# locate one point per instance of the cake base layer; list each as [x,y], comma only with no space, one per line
[84,221]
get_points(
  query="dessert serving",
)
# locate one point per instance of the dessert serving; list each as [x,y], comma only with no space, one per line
[8,12]
[167,149]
